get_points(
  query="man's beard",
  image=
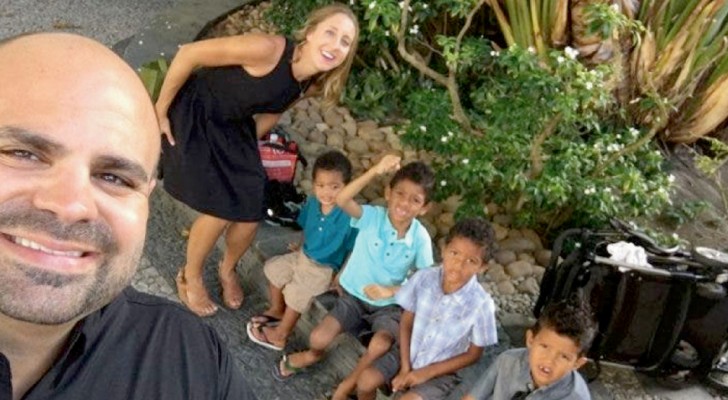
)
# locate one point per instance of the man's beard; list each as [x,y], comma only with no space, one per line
[32,294]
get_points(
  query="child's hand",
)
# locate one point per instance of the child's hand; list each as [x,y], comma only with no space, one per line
[378,292]
[294,246]
[389,163]
[404,381]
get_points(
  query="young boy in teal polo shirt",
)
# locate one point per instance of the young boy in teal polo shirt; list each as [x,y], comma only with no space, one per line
[391,242]
[294,279]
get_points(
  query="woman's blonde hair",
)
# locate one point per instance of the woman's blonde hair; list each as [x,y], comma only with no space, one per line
[330,84]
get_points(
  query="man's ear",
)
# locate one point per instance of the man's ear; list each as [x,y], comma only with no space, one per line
[581,361]
[529,338]
[152,185]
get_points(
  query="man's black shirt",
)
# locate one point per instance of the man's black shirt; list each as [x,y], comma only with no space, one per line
[139,347]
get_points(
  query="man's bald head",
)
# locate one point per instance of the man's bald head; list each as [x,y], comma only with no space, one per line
[66,67]
[79,143]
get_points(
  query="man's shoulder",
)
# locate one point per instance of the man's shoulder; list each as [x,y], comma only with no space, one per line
[141,308]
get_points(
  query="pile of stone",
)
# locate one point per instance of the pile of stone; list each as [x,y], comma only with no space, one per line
[517,267]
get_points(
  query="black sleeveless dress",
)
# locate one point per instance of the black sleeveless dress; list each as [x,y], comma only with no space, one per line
[215,166]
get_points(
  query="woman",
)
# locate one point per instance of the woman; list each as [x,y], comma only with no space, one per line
[218,98]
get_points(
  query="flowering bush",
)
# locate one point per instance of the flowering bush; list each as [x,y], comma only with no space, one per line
[541,136]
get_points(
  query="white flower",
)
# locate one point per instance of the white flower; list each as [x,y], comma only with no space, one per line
[372,5]
[589,86]
[351,2]
[449,133]
[590,190]
[141,42]
[443,139]
[560,59]
[401,5]
[531,49]
[571,52]
[634,132]
[465,161]
[671,178]
[386,33]
[443,183]
[636,99]
[494,53]
[607,190]
[424,5]
[414,29]
[675,236]
[615,7]
[423,128]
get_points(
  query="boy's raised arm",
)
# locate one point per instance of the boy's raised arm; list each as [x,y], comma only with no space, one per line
[345,198]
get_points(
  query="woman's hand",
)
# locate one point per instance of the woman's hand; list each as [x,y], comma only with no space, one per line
[165,128]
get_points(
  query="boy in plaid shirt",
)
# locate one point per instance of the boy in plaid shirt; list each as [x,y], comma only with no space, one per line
[447,321]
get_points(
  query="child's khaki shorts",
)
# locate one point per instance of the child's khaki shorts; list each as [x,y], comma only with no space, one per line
[301,278]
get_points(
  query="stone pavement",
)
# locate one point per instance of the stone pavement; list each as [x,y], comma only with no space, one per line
[144,30]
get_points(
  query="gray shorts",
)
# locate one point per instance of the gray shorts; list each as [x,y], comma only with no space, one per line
[360,318]
[434,389]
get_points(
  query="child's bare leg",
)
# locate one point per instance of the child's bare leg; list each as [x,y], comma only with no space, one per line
[203,235]
[277,303]
[238,238]
[369,381]
[321,337]
[410,396]
[380,344]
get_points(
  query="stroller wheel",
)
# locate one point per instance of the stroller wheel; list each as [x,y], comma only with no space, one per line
[710,257]
[711,290]
[718,379]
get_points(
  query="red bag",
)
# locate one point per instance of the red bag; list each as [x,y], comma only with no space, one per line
[279,155]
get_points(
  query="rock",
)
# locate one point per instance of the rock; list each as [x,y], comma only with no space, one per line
[335,140]
[314,115]
[333,117]
[527,257]
[451,204]
[514,234]
[529,286]
[504,257]
[409,156]
[505,288]
[364,128]
[370,193]
[393,141]
[302,105]
[285,119]
[531,235]
[435,209]
[502,219]
[317,136]
[378,146]
[518,245]
[520,320]
[307,186]
[492,208]
[518,269]
[494,266]
[349,128]
[312,150]
[538,272]
[322,127]
[357,145]
[498,275]
[446,219]
[500,231]
[543,257]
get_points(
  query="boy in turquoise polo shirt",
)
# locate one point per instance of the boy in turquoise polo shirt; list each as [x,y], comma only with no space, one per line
[294,279]
[390,243]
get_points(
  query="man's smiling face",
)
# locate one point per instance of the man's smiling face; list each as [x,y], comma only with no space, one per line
[78,147]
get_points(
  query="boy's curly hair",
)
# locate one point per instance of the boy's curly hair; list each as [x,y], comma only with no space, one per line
[333,161]
[478,231]
[418,173]
[571,318]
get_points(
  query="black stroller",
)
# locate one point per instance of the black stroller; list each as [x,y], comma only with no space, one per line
[670,319]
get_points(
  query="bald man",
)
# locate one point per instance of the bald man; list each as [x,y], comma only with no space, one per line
[79,144]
